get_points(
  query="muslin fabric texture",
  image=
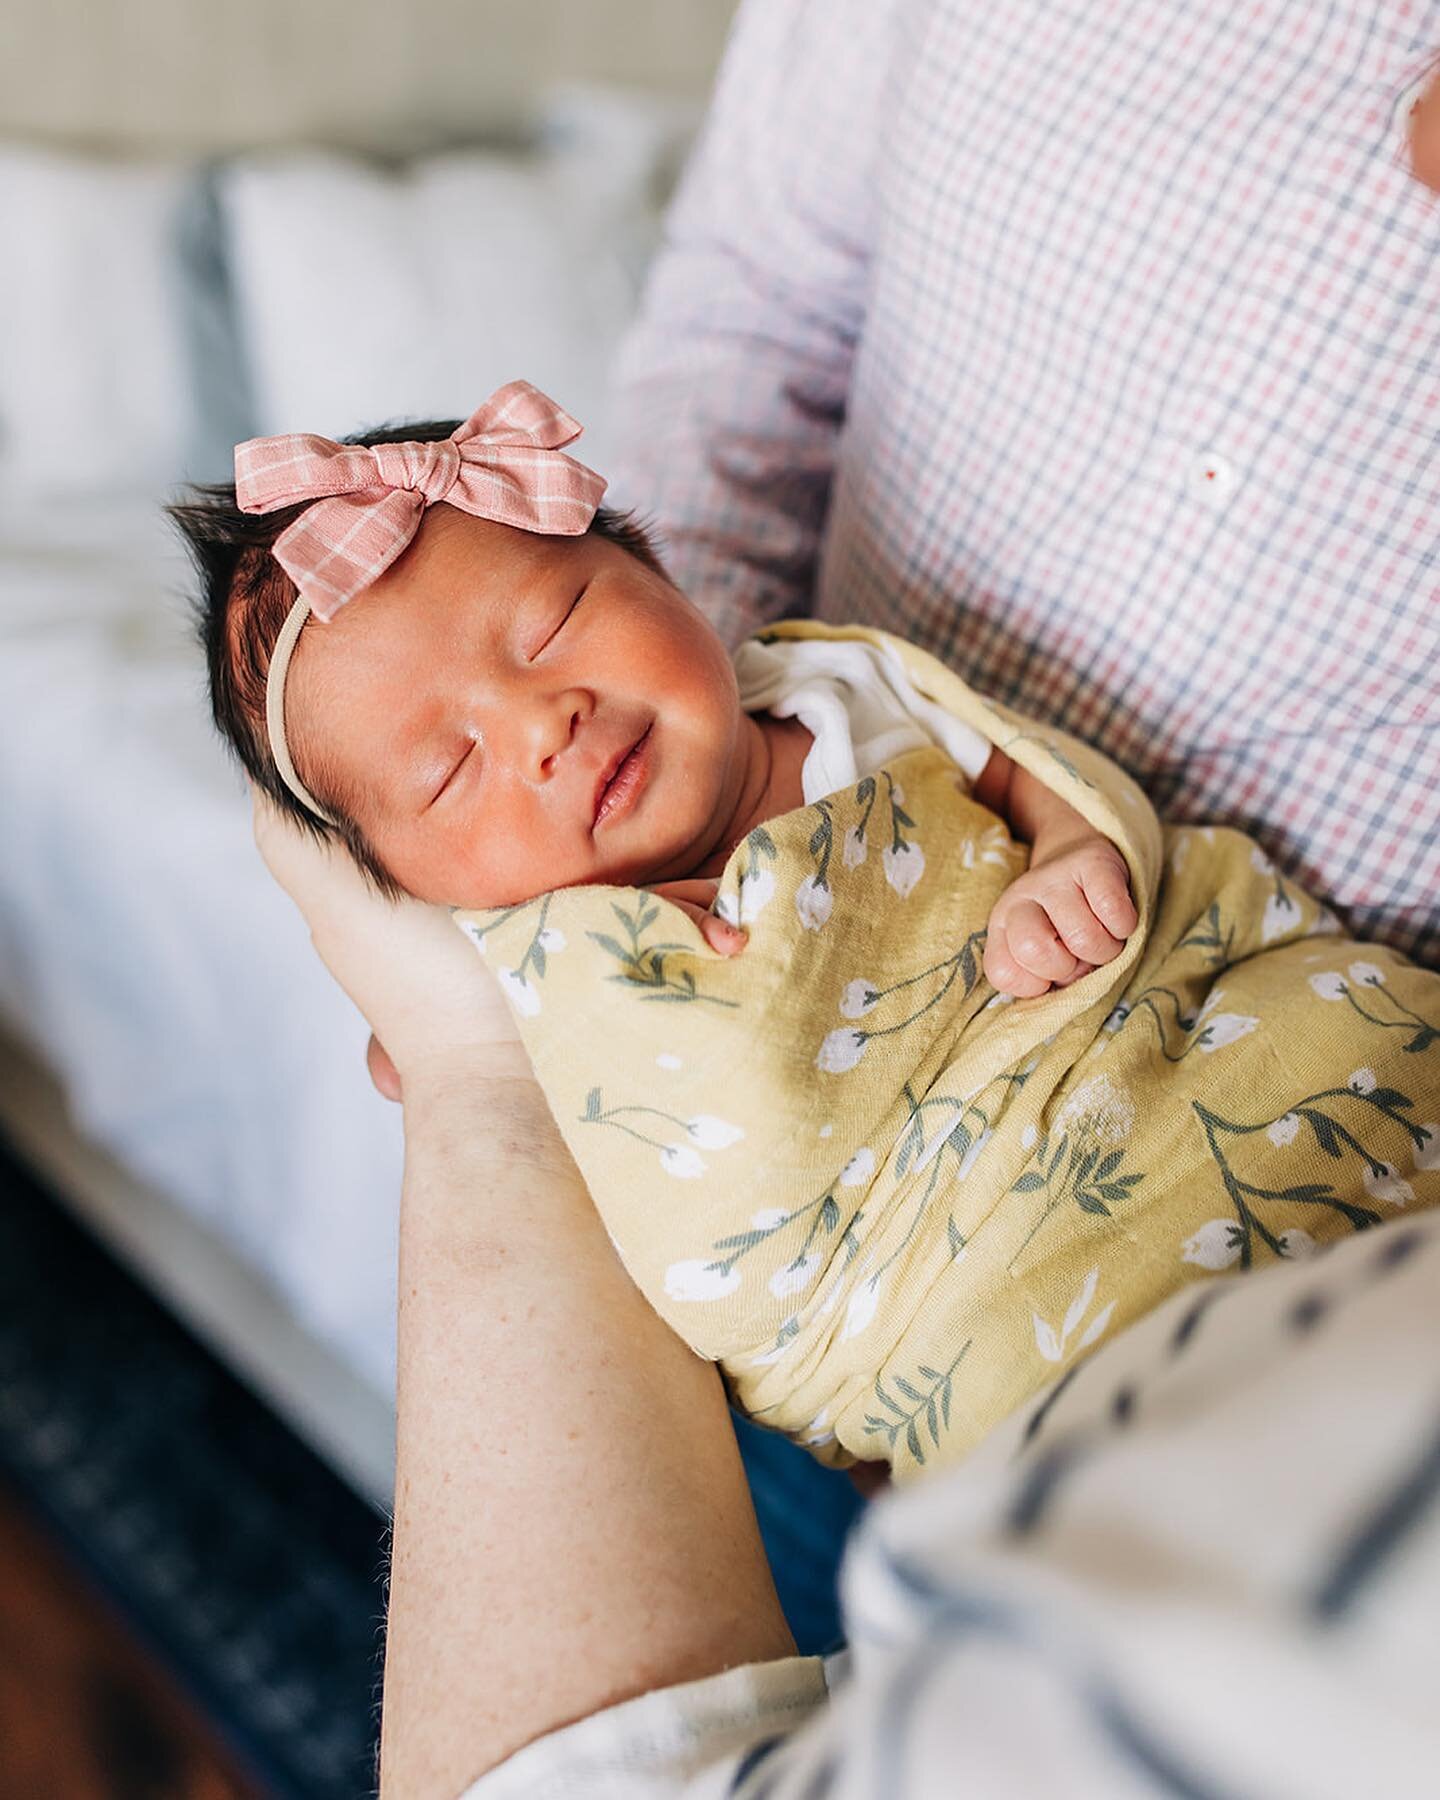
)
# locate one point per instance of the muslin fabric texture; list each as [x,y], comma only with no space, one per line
[893,1205]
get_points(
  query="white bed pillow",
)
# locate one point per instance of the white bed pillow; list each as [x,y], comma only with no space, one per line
[366,294]
[93,380]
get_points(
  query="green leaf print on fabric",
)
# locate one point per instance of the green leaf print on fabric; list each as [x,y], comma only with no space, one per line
[1369,979]
[843,1048]
[1333,1120]
[679,1154]
[928,1412]
[646,965]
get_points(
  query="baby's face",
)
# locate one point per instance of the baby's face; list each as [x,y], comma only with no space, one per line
[504,713]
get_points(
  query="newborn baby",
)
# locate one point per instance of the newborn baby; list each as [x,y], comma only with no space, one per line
[511,712]
[891,1204]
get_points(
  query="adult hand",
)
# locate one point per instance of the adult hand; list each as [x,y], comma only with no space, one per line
[425,991]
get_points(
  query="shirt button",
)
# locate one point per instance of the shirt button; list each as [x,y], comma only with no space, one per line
[1212,476]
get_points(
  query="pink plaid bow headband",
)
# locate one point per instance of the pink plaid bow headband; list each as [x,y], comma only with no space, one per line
[506,463]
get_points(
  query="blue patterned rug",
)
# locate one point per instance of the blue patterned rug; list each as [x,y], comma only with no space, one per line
[242,1560]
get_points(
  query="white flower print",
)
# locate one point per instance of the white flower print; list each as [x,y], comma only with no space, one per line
[1361,1081]
[995,846]
[768,1218]
[1428,1154]
[813,903]
[711,1133]
[756,891]
[904,865]
[1281,916]
[1296,1243]
[520,992]
[476,935]
[1387,1185]
[667,1060]
[681,1161]
[1052,1343]
[1224,1028]
[861,1309]
[967,1161]
[1216,1245]
[853,851]
[1260,862]
[1284,1131]
[697,1280]
[796,1275]
[1329,986]
[841,1051]
[859,1170]
[1100,1105]
[1117,1018]
[857,1000]
[1366,974]
[551,940]
[1179,851]
[816,1431]
[1029,1137]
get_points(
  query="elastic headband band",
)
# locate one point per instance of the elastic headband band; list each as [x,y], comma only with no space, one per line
[275,708]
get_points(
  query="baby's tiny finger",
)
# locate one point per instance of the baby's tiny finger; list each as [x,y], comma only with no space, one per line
[1107,888]
[1035,944]
[1080,930]
[1005,974]
[722,937]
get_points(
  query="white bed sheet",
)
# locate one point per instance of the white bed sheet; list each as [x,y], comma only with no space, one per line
[146,954]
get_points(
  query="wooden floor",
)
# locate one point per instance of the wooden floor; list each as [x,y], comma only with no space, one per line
[86,1713]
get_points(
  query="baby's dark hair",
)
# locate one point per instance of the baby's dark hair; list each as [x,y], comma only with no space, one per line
[244,599]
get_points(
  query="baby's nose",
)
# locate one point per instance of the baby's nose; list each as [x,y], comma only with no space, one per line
[551,727]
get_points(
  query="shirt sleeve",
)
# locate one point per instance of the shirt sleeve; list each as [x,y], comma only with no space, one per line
[695,1740]
[732,384]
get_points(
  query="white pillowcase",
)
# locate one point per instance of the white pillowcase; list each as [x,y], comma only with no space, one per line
[93,381]
[366,295]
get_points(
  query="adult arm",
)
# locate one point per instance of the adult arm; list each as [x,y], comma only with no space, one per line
[572,1524]
[732,386]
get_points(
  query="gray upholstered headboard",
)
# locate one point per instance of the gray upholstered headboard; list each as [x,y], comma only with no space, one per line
[383,75]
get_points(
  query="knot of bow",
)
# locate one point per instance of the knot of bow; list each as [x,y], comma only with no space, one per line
[506,463]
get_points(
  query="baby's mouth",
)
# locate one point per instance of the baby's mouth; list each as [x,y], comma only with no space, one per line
[621,787]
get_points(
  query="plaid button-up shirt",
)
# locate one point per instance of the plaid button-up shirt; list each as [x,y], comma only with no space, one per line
[1095,346]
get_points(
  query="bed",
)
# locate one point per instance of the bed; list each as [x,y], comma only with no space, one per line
[171,1052]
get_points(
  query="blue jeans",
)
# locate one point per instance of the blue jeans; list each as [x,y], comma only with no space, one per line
[805,1515]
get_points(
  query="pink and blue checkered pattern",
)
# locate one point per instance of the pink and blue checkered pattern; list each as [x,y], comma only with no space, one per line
[1095,346]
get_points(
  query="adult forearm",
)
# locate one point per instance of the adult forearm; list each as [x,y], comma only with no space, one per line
[572,1524]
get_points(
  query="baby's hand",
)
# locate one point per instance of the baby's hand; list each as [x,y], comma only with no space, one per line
[695,897]
[1063,917]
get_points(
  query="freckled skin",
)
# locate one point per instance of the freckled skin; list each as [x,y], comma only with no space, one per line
[474,636]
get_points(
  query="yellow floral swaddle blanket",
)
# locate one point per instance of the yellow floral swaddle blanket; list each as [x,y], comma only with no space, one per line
[892,1205]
